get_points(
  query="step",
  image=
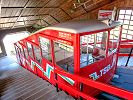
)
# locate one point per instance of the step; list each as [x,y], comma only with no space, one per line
[40,93]
[17,90]
[47,95]
[30,92]
[61,96]
[16,86]
[18,95]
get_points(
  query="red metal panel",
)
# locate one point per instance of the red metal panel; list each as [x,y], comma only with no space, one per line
[101,86]
[101,71]
[127,45]
[124,54]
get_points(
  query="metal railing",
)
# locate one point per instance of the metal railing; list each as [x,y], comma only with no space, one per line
[98,85]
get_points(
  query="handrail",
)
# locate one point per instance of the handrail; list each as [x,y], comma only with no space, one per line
[83,95]
[126,45]
[101,86]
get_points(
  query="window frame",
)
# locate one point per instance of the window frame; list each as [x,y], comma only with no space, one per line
[40,62]
[32,57]
[125,34]
[44,58]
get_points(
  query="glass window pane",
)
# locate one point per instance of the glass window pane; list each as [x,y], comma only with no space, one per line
[131,17]
[64,56]
[37,53]
[93,48]
[127,17]
[126,22]
[26,53]
[0,50]
[131,22]
[124,36]
[21,50]
[121,21]
[130,32]
[124,31]
[45,47]
[131,27]
[113,41]
[129,37]
[128,12]
[121,16]
[30,50]
[122,11]
[125,26]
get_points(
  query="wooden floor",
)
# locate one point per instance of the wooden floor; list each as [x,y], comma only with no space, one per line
[17,83]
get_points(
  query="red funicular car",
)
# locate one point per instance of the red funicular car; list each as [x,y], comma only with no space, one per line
[88,49]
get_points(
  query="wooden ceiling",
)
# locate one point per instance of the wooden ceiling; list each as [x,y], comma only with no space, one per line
[20,13]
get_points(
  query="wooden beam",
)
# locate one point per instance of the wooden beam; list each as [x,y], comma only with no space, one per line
[16,29]
[25,8]
[25,16]
[45,21]
[42,7]
[21,13]
[54,18]
[65,13]
[21,21]
[96,8]
[48,14]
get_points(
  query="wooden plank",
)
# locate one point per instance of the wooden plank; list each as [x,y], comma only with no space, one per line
[50,20]
[63,16]
[55,3]
[33,3]
[69,8]
[5,3]
[4,20]
[29,11]
[24,16]
[20,13]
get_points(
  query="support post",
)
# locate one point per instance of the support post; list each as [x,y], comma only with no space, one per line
[81,89]
[107,43]
[129,56]
[77,57]
[117,53]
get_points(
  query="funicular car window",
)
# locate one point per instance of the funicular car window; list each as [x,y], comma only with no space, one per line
[114,40]
[92,48]
[37,53]
[126,18]
[46,48]
[30,50]
[17,53]
[26,53]
[0,50]
[21,49]
[64,56]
